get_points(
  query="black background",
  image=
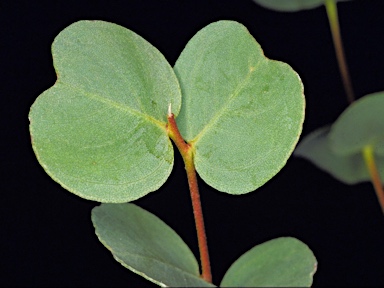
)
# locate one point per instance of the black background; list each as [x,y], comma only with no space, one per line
[47,238]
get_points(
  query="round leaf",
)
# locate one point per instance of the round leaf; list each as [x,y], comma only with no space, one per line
[100,130]
[349,169]
[145,245]
[242,113]
[361,124]
[281,262]
[291,5]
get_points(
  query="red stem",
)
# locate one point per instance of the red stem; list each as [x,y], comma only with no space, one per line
[187,154]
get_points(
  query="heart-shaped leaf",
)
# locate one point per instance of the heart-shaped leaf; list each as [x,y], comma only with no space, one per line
[242,113]
[100,131]
[147,246]
[291,5]
[281,262]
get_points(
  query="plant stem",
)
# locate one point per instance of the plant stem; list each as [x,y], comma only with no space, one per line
[187,154]
[331,8]
[375,176]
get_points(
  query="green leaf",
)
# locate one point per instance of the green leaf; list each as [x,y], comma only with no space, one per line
[338,149]
[100,131]
[291,5]
[145,245]
[349,169]
[281,262]
[361,124]
[242,113]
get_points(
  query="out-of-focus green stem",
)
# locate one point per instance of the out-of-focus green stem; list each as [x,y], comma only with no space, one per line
[375,176]
[331,8]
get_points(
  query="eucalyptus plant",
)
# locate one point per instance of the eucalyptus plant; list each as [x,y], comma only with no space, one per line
[103,131]
[352,148]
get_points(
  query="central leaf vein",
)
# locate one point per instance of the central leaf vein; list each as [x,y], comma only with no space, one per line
[117,105]
[224,108]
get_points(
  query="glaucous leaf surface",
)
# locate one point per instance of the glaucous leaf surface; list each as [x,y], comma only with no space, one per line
[361,124]
[281,262]
[100,130]
[350,169]
[145,245]
[291,5]
[242,113]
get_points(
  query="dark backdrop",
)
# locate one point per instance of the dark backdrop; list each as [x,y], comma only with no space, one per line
[47,238]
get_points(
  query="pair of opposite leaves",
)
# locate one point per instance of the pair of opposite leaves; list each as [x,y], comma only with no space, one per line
[100,131]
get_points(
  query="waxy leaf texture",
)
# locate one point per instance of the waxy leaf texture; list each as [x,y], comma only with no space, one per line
[242,113]
[143,243]
[281,262]
[100,131]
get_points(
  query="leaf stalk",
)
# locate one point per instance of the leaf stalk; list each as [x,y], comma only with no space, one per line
[187,154]
[331,8]
[374,173]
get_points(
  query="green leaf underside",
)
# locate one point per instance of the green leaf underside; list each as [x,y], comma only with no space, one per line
[281,262]
[291,5]
[147,246]
[242,112]
[350,169]
[100,130]
[361,124]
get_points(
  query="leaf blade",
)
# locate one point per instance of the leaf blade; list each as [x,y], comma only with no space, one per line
[240,110]
[121,61]
[281,262]
[100,130]
[145,245]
